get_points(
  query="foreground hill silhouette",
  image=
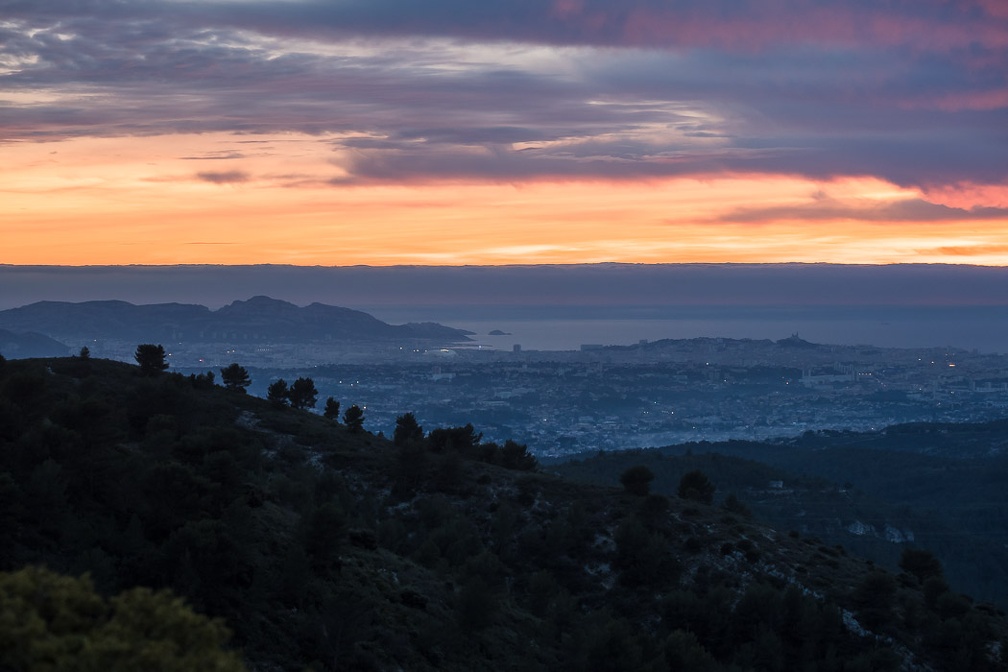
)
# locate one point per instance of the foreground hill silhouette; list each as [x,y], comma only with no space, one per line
[332,548]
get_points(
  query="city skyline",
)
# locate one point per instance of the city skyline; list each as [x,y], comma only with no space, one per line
[575,131]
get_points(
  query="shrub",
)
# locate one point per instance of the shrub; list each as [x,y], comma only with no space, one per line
[695,486]
[637,480]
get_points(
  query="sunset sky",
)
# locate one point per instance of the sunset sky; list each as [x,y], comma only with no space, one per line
[446,132]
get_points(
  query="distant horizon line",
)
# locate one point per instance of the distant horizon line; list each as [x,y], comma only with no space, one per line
[526,265]
[616,284]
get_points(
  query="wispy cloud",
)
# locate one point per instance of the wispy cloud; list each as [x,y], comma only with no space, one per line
[916,93]
[824,208]
[978,250]
[343,112]
[223,177]
[220,155]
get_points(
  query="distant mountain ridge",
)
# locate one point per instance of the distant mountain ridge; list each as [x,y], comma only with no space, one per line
[31,344]
[260,318]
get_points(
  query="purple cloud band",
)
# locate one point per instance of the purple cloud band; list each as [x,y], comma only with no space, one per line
[912,92]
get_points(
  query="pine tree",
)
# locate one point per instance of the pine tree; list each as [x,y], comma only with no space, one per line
[151,358]
[235,378]
[353,418]
[332,408]
[302,393]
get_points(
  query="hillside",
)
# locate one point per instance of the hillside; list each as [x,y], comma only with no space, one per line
[946,484]
[874,501]
[324,546]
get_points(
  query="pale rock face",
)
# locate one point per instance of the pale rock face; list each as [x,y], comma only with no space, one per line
[898,536]
[889,533]
[861,529]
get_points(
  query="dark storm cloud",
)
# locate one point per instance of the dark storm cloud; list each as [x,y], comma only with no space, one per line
[913,92]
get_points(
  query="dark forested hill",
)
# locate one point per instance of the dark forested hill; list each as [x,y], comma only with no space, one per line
[257,319]
[939,486]
[322,545]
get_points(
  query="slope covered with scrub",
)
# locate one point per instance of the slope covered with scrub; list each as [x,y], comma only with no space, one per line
[331,548]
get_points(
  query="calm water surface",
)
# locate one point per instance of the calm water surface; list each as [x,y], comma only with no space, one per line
[567,328]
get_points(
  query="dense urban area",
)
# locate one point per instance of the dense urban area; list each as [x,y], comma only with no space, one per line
[650,394]
[558,402]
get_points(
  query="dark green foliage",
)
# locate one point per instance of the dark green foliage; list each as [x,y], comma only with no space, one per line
[302,393]
[514,455]
[477,604]
[410,470]
[654,510]
[85,353]
[448,473]
[962,533]
[332,549]
[874,598]
[332,409]
[411,465]
[951,606]
[643,556]
[54,622]
[235,378]
[407,431]
[684,652]
[732,504]
[202,381]
[637,480]
[613,646]
[933,588]
[323,533]
[277,393]
[463,440]
[695,486]
[353,418]
[921,564]
[151,358]
[25,389]
[467,442]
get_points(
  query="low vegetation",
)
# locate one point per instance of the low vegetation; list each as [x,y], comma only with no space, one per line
[321,545]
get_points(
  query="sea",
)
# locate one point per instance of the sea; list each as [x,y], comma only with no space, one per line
[975,328]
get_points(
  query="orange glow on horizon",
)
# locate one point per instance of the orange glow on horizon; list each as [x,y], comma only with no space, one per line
[227,199]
